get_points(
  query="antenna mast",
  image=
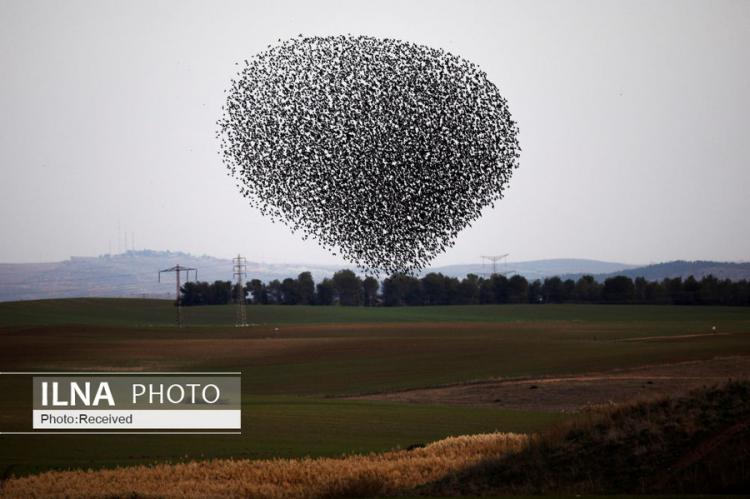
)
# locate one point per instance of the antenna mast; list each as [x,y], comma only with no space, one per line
[179,269]
[239,269]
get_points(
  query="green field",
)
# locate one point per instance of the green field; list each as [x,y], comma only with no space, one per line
[298,362]
[161,313]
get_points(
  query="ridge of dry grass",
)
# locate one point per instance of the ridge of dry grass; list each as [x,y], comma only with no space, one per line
[699,443]
[348,476]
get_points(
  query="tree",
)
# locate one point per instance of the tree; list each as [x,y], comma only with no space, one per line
[618,289]
[655,292]
[238,292]
[499,288]
[220,293]
[587,290]
[434,289]
[305,288]
[274,292]
[401,289]
[290,291]
[348,288]
[641,290]
[258,292]
[193,293]
[691,291]
[203,293]
[536,293]
[325,292]
[552,290]
[568,290]
[370,286]
[518,289]
[710,291]
[673,290]
[468,290]
[486,292]
[452,291]
[740,293]
[438,289]
[414,293]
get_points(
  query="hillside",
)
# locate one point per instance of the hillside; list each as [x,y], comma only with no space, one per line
[536,269]
[684,269]
[695,444]
[127,275]
[134,274]
[370,475]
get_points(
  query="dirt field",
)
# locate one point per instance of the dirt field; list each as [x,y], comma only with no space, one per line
[301,364]
[572,393]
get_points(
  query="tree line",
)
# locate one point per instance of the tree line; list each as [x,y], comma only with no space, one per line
[348,289]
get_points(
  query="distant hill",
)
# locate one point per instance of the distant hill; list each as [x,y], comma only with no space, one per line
[537,269]
[677,268]
[134,273]
[130,274]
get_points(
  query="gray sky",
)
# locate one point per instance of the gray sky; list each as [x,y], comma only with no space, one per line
[633,119]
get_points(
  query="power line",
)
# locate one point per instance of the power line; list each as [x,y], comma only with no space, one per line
[178,270]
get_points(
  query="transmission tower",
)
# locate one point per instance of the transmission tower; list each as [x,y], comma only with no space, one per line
[178,270]
[239,268]
[494,259]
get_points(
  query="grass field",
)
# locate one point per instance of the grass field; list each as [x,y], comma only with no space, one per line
[161,313]
[298,362]
[696,443]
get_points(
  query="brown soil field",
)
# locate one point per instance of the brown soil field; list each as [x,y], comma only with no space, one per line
[576,392]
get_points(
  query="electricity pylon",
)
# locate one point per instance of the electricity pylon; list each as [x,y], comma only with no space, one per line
[494,259]
[239,269]
[179,269]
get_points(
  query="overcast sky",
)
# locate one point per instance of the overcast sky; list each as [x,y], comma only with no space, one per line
[633,121]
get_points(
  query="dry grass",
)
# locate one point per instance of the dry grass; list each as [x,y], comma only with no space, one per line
[696,444]
[351,476]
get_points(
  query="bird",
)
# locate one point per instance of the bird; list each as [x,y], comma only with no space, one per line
[381,150]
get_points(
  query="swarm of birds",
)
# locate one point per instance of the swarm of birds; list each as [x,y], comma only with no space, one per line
[381,149]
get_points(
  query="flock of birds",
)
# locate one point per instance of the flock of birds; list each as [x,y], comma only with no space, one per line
[380,148]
